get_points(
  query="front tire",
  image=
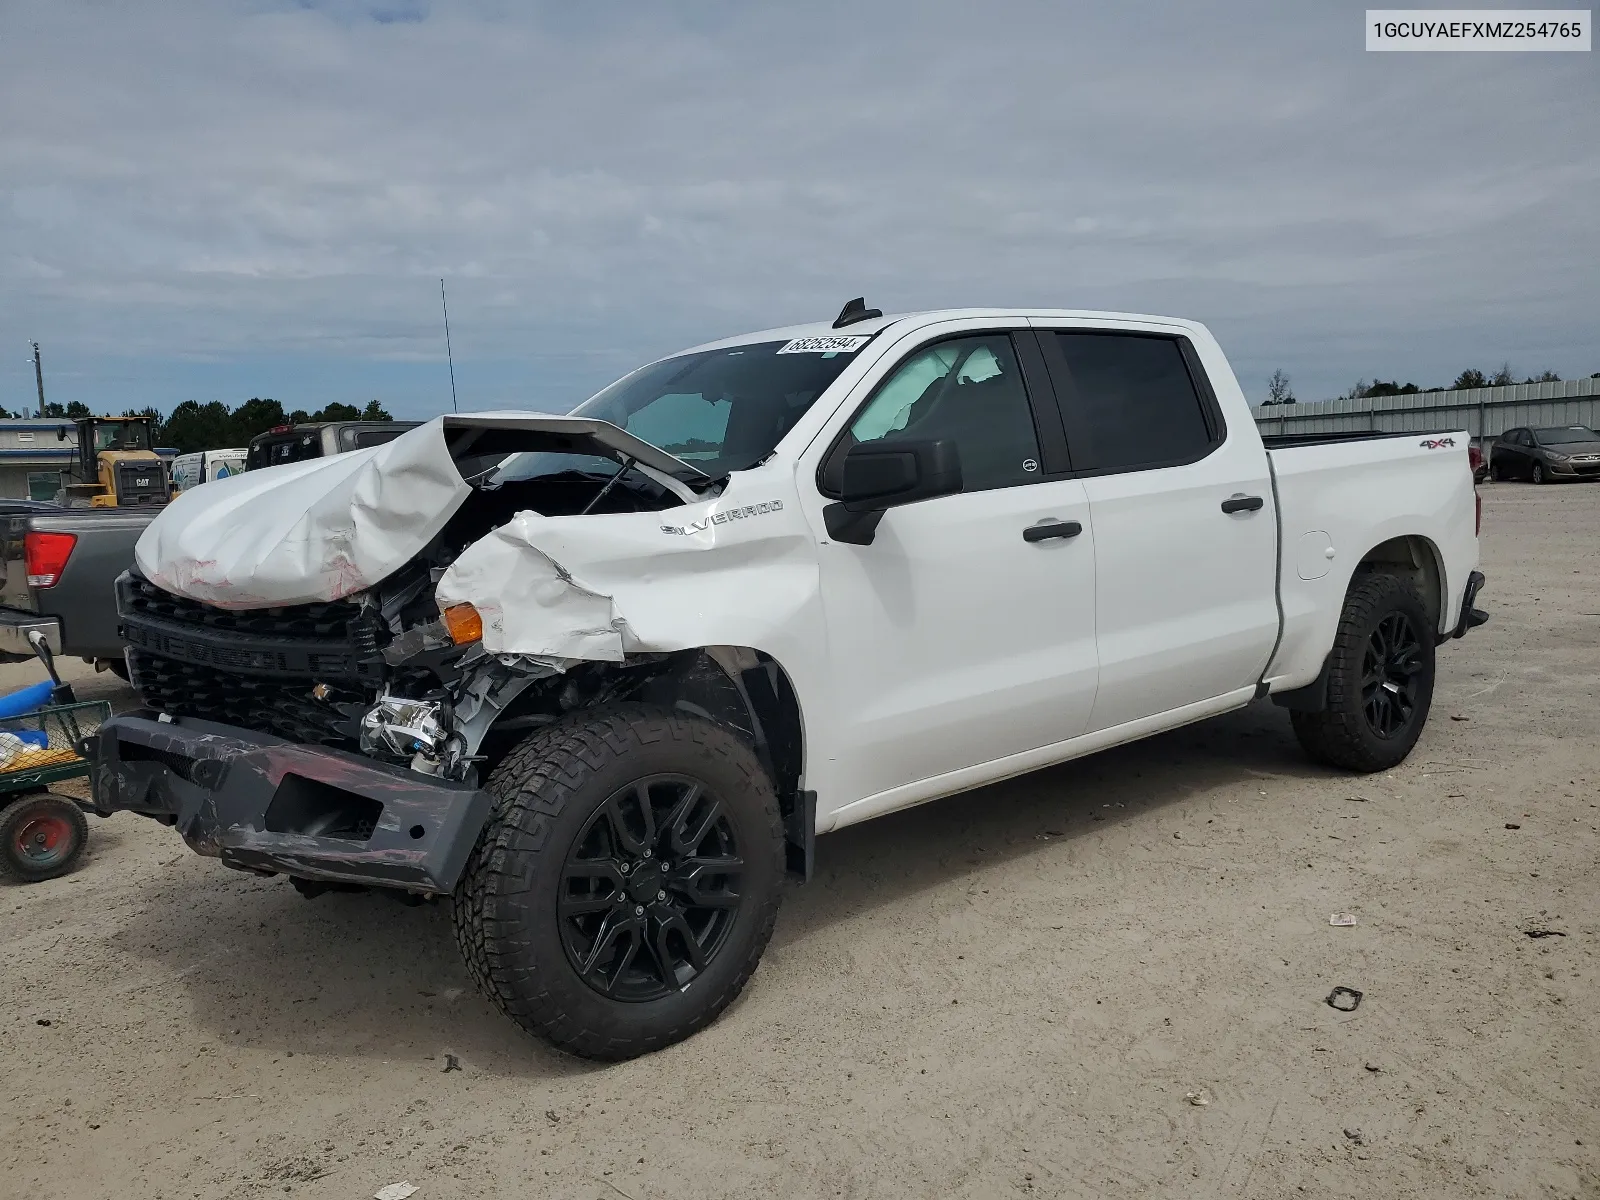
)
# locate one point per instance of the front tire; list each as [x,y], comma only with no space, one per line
[627,883]
[1380,680]
[1538,474]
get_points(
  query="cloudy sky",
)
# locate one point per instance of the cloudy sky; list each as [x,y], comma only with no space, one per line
[215,200]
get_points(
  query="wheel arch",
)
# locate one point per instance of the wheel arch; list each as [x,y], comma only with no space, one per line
[1415,559]
[742,688]
[1412,558]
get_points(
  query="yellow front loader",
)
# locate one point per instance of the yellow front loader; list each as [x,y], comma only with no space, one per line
[117,466]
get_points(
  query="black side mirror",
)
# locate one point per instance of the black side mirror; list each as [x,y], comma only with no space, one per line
[877,476]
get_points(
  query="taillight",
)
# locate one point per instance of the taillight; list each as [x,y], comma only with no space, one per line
[46,555]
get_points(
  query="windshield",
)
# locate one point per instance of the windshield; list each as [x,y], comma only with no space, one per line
[118,435]
[1559,437]
[723,410]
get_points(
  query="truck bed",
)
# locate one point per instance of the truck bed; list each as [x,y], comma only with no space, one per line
[1342,495]
[1286,441]
[83,601]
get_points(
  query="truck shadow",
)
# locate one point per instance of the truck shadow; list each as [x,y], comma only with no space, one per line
[362,976]
[893,857]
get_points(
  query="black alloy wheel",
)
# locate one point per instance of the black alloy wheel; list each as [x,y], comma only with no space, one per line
[1389,675]
[650,889]
[626,882]
[1379,679]
[1538,473]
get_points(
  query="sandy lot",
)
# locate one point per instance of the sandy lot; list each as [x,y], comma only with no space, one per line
[1010,992]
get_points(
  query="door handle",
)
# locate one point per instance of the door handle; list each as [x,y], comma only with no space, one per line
[1235,504]
[1051,529]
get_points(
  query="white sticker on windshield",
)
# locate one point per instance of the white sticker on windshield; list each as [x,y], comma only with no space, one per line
[833,344]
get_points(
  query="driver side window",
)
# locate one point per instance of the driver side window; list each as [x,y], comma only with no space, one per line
[968,391]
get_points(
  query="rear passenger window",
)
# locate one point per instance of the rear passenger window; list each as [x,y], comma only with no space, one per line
[1132,402]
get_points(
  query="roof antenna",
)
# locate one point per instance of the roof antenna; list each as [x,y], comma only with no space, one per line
[856,310]
[449,357]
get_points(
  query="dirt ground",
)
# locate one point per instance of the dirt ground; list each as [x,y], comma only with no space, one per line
[1106,979]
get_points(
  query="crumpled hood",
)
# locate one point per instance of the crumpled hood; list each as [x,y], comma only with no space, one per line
[330,527]
[304,532]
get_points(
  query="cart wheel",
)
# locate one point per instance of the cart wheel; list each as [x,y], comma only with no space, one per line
[41,837]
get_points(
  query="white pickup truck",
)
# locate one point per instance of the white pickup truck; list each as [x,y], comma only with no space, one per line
[601,678]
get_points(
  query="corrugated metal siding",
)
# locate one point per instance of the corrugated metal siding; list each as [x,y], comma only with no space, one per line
[1483,412]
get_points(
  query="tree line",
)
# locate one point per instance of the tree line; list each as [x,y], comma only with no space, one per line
[193,426]
[1279,390]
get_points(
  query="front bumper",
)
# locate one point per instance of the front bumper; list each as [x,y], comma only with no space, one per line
[1569,467]
[261,803]
[15,627]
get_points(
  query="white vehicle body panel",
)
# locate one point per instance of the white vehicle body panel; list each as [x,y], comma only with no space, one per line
[1349,497]
[600,587]
[329,527]
[315,530]
[947,653]
[1167,647]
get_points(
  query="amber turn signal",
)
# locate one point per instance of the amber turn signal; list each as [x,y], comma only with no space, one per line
[463,624]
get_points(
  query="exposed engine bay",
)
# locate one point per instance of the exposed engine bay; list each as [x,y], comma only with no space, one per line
[395,682]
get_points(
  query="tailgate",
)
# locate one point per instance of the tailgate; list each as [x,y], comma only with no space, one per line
[84,598]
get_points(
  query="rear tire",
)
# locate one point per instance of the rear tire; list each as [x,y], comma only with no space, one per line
[41,836]
[1380,679]
[577,914]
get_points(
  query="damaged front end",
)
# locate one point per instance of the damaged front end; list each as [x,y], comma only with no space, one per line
[293,725]
[325,688]
[373,781]
[312,741]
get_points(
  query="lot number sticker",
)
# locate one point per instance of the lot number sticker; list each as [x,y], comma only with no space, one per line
[836,344]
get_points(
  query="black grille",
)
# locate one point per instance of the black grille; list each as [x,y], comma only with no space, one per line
[256,668]
[284,707]
[141,482]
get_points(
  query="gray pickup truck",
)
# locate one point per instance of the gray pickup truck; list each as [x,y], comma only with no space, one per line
[57,571]
[59,566]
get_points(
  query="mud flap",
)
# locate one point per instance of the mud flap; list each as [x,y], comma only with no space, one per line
[800,836]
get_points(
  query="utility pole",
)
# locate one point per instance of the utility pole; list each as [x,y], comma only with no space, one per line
[38,377]
[444,304]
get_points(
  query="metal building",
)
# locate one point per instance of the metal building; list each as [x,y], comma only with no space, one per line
[1485,413]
